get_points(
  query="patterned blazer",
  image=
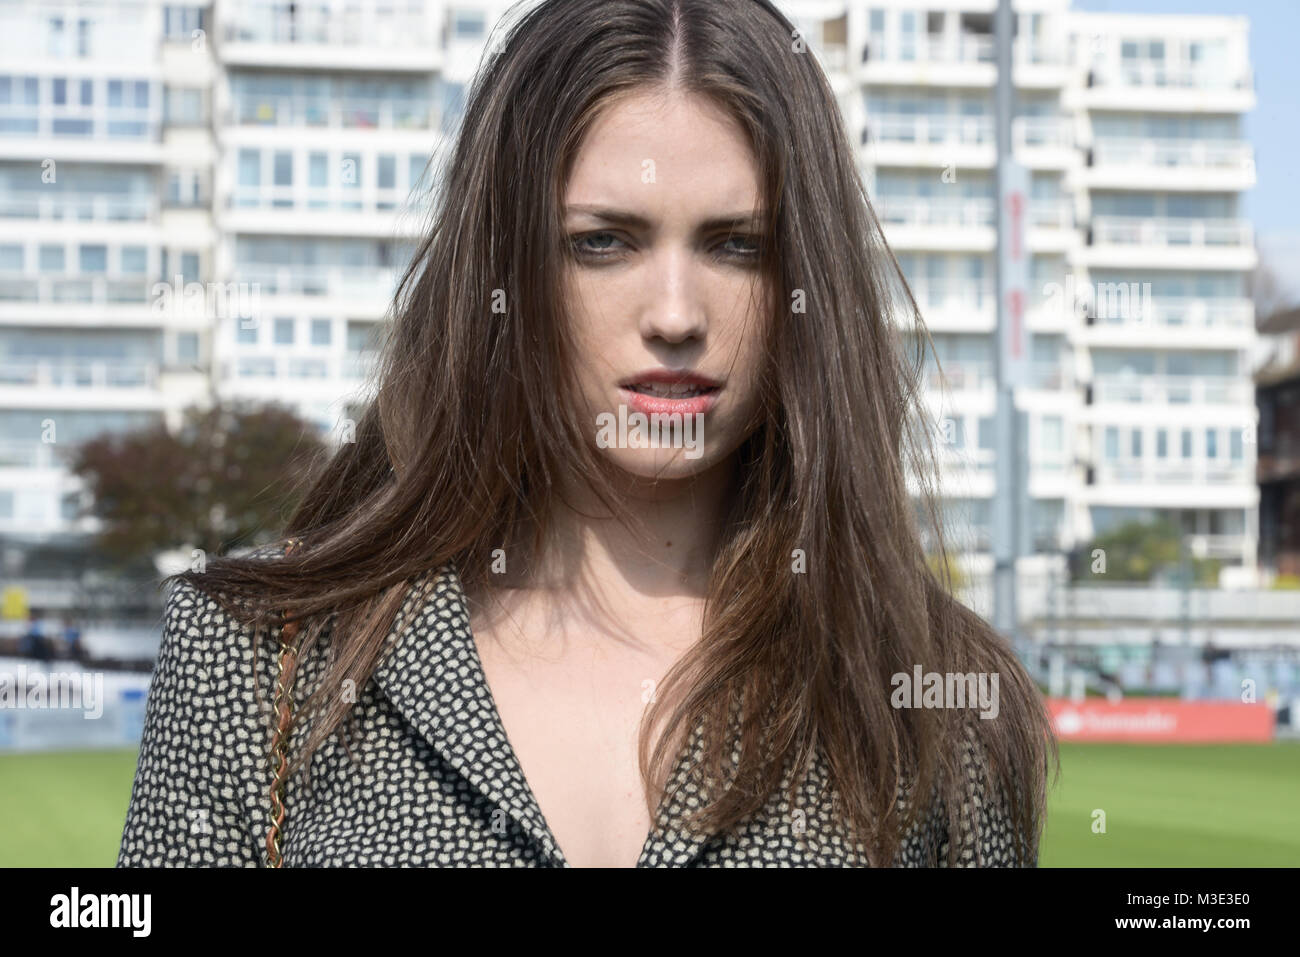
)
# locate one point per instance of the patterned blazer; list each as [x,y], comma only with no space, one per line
[435,782]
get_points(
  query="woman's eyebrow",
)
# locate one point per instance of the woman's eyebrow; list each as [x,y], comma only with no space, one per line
[622,217]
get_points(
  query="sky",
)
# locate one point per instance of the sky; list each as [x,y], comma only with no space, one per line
[1273,127]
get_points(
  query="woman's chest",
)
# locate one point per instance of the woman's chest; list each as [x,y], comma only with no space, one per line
[424,791]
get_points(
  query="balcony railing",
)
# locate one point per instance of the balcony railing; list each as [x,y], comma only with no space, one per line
[97,123]
[1147,231]
[933,211]
[1171,390]
[1055,213]
[353,282]
[947,130]
[361,23]
[960,48]
[89,374]
[1042,131]
[26,454]
[959,376]
[342,199]
[952,293]
[1187,154]
[1160,473]
[1152,74]
[323,112]
[96,290]
[1184,312]
[79,207]
[259,367]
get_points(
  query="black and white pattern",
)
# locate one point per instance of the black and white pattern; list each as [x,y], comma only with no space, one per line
[435,783]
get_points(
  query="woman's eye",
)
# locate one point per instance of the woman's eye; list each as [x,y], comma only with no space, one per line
[748,252]
[595,244]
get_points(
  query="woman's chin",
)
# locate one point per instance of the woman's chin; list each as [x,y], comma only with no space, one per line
[664,464]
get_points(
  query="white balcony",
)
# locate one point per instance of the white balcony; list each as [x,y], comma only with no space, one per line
[1147,231]
[955,305]
[1182,88]
[42,374]
[1185,472]
[1043,131]
[322,112]
[952,130]
[374,285]
[1132,162]
[1172,390]
[73,289]
[363,34]
[931,222]
[1150,73]
[1216,322]
[1173,242]
[1197,154]
[955,376]
[79,207]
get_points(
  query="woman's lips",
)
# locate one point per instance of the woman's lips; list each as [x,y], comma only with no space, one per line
[665,405]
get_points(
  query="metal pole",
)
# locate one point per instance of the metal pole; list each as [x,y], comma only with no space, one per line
[1006,539]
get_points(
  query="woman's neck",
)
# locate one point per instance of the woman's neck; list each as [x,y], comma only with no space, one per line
[668,552]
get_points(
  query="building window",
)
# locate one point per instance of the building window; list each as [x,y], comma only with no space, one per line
[190,267]
[467,24]
[183,106]
[250,168]
[1211,443]
[51,259]
[320,332]
[1135,443]
[246,335]
[187,347]
[283,332]
[11,258]
[1162,443]
[283,175]
[1235,443]
[135,260]
[1187,443]
[94,259]
[1112,442]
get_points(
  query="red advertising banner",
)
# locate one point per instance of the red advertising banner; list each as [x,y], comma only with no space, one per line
[1157,719]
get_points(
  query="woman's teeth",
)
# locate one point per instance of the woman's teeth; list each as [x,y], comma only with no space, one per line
[670,391]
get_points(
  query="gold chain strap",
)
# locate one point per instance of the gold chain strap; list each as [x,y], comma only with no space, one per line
[283,726]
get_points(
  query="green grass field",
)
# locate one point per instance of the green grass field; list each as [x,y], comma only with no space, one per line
[1166,806]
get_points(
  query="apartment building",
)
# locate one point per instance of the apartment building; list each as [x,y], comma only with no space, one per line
[284,146]
[1139,403]
[106,156]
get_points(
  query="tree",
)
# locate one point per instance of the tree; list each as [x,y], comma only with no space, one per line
[227,477]
[1142,552]
[1267,293]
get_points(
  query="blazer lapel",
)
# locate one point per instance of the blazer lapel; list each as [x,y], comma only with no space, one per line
[433,676]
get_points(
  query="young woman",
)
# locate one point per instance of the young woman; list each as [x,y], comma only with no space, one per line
[528,631]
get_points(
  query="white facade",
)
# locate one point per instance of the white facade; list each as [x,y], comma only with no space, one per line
[1140,400]
[282,148]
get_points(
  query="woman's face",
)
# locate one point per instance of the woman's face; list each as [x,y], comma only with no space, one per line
[664,282]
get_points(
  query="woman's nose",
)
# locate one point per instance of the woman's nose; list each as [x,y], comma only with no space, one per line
[674,309]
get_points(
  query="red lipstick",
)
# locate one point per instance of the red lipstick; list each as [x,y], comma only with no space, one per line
[668,391]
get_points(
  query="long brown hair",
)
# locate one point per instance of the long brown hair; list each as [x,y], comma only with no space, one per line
[464,443]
